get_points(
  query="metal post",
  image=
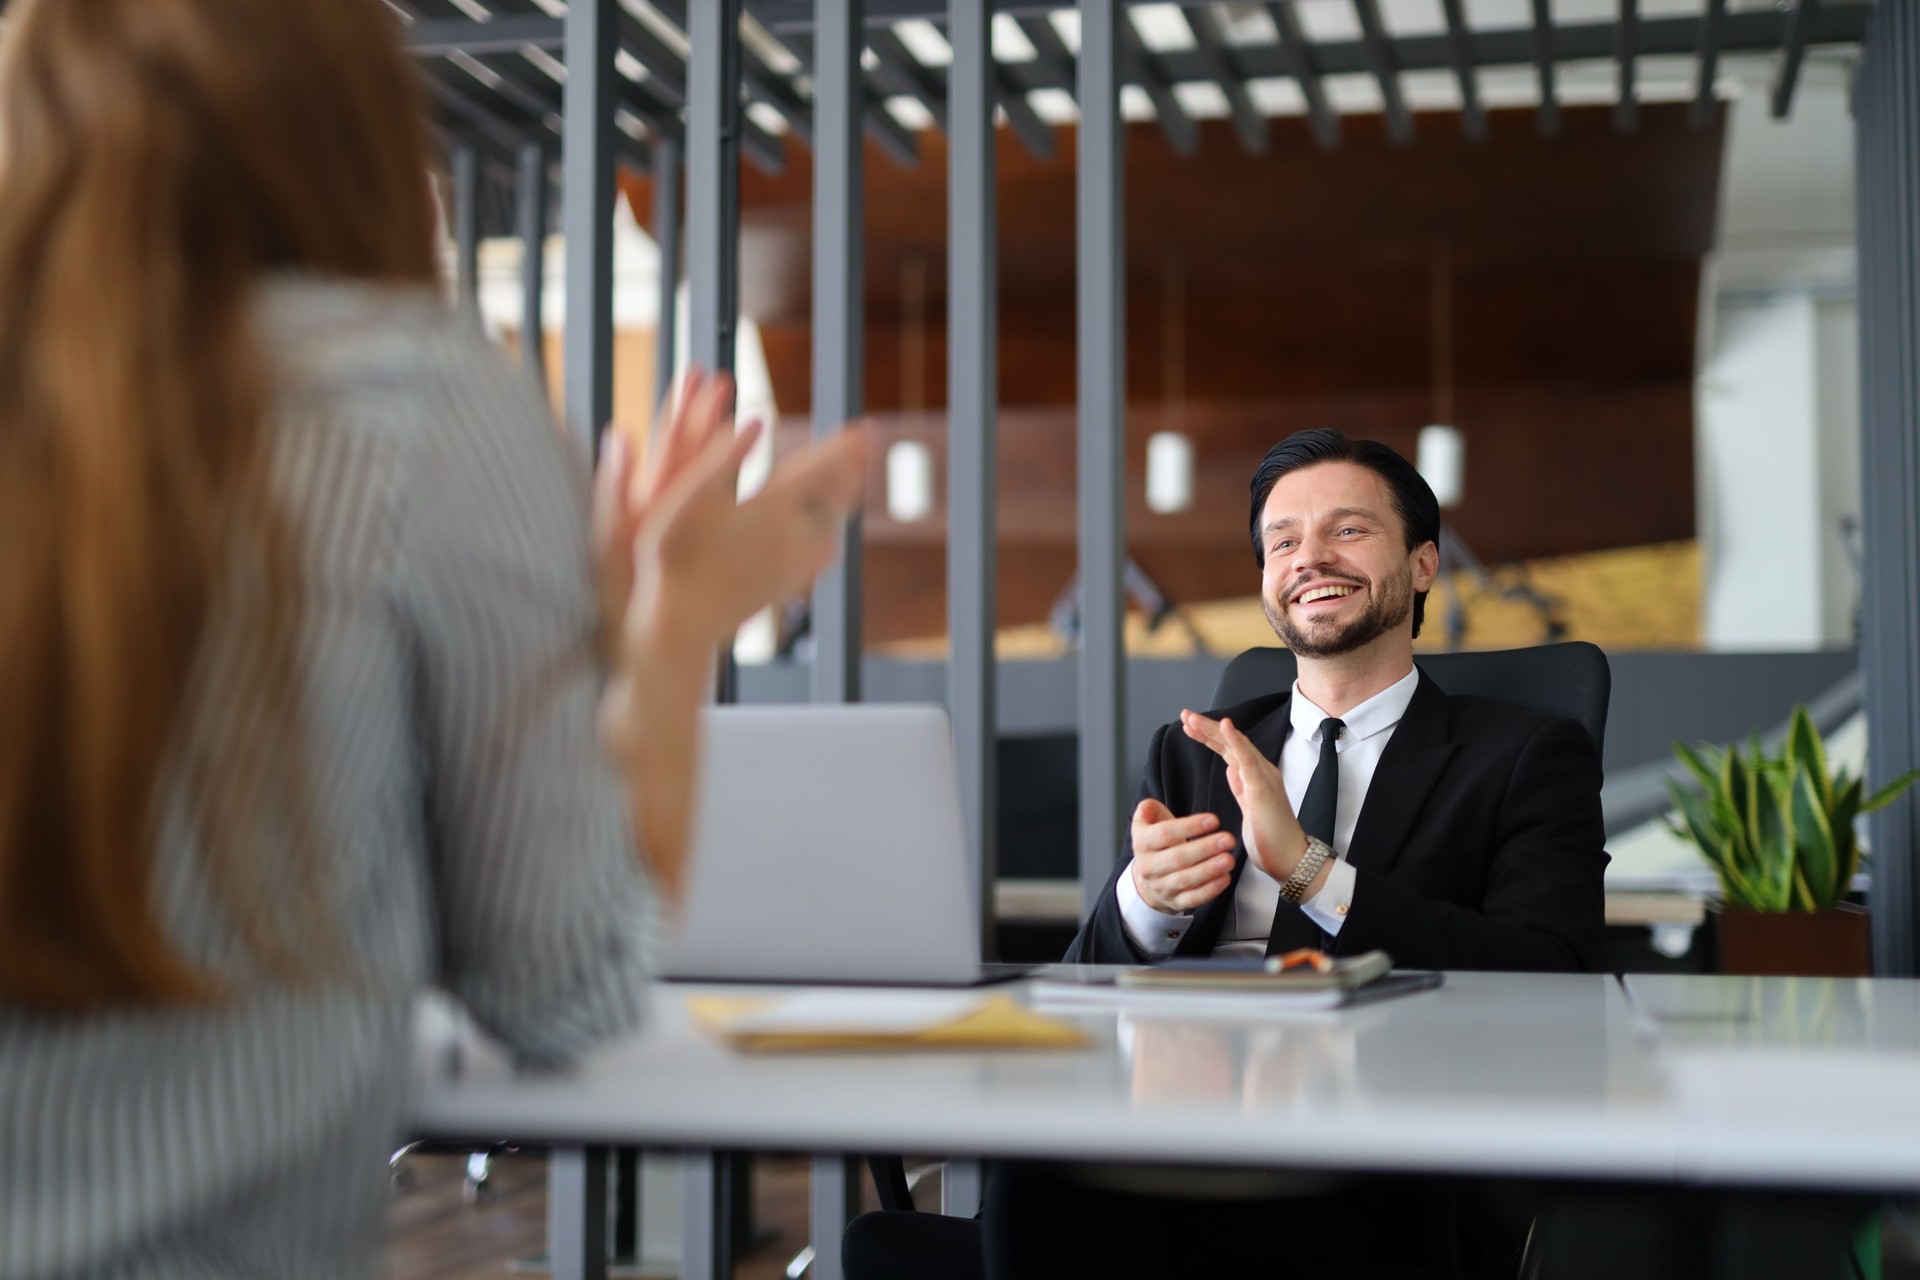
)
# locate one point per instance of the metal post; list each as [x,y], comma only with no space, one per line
[713,181]
[706,1245]
[666,234]
[533,196]
[713,206]
[835,1202]
[1102,441]
[961,1185]
[588,218]
[1886,106]
[973,399]
[577,1212]
[839,103]
[466,228]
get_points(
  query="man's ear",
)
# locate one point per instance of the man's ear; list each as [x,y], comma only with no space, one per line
[1426,565]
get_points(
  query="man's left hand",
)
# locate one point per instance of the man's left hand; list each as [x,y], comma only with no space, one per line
[1270,830]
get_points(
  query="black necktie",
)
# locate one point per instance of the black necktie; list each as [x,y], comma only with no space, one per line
[1316,819]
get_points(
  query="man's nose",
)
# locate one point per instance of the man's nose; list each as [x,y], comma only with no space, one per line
[1311,552]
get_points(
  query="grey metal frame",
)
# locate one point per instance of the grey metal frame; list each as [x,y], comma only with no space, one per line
[973,405]
[464,178]
[668,233]
[1886,105]
[839,331]
[532,198]
[587,214]
[1100,218]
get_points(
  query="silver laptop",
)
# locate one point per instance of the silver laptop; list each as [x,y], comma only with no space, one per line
[828,847]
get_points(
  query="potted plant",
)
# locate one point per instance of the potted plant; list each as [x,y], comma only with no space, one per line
[1779,831]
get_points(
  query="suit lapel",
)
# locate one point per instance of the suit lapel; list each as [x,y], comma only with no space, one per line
[1415,756]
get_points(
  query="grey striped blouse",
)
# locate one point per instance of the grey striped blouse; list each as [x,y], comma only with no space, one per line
[472,835]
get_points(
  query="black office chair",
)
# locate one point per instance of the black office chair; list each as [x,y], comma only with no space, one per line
[1570,679]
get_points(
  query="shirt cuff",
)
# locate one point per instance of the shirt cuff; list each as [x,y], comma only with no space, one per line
[1153,931]
[1328,908]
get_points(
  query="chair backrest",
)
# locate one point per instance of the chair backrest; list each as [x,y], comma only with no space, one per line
[1571,679]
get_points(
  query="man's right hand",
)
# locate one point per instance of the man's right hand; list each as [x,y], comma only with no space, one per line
[1179,863]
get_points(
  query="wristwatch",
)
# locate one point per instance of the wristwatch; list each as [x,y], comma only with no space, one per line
[1294,887]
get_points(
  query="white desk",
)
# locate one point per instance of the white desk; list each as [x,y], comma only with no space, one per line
[1808,1083]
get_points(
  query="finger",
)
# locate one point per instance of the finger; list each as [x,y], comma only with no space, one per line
[1215,864]
[1202,732]
[1149,811]
[610,483]
[1193,898]
[1168,832]
[674,446]
[1156,863]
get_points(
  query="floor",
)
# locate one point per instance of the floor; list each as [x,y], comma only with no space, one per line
[438,1235]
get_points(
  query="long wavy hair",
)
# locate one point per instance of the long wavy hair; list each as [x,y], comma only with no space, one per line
[158,159]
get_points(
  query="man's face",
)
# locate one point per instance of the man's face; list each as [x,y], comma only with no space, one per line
[1338,574]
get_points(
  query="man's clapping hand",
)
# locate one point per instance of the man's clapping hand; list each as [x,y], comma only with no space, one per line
[1274,839]
[1179,863]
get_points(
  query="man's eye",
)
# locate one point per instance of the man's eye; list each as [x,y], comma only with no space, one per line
[1349,529]
[1284,544]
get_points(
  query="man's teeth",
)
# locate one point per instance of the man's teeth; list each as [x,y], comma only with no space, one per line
[1323,593]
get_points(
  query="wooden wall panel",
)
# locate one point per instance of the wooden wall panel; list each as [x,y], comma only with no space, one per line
[1284,291]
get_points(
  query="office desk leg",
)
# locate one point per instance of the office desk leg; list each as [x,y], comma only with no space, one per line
[706,1217]
[834,1191]
[960,1189]
[577,1212]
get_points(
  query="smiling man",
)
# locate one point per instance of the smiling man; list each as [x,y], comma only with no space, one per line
[1362,807]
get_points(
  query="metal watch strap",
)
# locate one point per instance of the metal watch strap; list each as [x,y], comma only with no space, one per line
[1294,887]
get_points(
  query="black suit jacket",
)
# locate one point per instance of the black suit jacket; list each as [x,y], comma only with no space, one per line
[1480,845]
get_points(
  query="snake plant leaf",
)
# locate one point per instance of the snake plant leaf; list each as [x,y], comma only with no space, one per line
[1818,857]
[1891,792]
[1773,841]
[1702,763]
[1806,753]
[1740,889]
[1697,818]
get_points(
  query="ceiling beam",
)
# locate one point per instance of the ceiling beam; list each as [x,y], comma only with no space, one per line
[892,137]
[1143,68]
[438,37]
[1712,18]
[1793,50]
[1296,58]
[1626,107]
[1211,42]
[1373,37]
[1473,117]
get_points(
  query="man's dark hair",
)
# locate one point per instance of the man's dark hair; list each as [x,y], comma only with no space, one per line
[1412,498]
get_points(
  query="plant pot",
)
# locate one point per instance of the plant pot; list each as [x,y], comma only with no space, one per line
[1815,944]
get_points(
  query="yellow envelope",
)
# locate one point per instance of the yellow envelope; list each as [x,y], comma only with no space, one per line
[823,1021]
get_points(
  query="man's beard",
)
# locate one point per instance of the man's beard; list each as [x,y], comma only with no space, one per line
[1389,605]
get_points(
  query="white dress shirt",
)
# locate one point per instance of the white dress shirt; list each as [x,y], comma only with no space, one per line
[1369,726]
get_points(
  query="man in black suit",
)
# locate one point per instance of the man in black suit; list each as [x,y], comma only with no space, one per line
[1363,807]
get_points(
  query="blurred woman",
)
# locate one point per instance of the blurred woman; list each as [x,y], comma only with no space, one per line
[301,644]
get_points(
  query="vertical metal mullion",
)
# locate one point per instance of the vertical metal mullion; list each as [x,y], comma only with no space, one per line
[667,229]
[835,1201]
[532,196]
[973,400]
[839,300]
[577,1213]
[1101,236]
[1886,96]
[713,206]
[466,227]
[706,1247]
[713,182]
[588,218]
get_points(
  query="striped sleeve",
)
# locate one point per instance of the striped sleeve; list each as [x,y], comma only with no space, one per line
[545,915]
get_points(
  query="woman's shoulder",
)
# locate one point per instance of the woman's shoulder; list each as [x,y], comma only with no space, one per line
[345,334]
